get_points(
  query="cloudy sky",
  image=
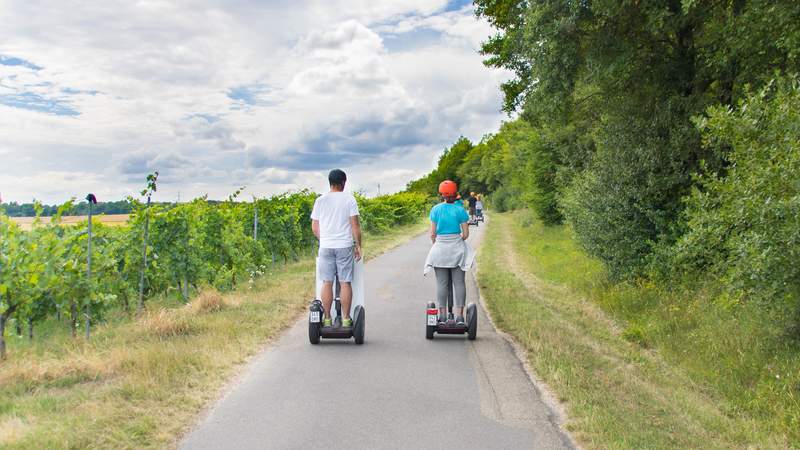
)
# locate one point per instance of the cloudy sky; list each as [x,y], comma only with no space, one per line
[265,94]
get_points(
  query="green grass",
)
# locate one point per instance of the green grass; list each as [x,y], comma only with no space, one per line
[139,383]
[637,366]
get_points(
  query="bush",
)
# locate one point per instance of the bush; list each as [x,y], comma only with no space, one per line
[744,226]
[502,200]
[381,213]
[629,198]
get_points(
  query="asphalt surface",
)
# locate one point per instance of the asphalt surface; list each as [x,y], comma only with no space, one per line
[398,390]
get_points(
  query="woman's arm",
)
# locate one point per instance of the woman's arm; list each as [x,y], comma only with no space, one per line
[433,231]
[465,231]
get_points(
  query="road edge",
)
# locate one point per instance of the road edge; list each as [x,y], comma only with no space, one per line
[557,413]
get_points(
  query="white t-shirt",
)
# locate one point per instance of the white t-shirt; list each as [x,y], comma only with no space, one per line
[333,210]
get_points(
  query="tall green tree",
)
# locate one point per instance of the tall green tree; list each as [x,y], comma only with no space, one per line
[628,77]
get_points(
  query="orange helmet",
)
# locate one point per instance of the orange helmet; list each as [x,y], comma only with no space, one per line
[448,188]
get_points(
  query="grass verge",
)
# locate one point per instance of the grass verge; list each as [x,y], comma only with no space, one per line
[139,383]
[635,367]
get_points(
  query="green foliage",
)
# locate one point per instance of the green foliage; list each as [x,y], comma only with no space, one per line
[43,271]
[610,89]
[744,225]
[516,166]
[447,169]
[628,198]
[381,213]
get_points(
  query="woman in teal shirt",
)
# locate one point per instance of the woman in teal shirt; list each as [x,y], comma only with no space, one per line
[450,257]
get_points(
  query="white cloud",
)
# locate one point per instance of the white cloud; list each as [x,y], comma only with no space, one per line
[216,95]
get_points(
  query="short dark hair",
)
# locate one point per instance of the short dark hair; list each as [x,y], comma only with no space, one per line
[337,177]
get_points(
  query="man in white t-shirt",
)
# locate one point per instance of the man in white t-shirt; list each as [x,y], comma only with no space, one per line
[334,221]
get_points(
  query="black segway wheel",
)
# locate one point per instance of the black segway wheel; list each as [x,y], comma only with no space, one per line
[358,330]
[472,321]
[315,322]
[429,329]
[313,332]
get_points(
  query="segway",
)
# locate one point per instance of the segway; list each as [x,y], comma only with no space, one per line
[316,330]
[479,215]
[473,217]
[449,325]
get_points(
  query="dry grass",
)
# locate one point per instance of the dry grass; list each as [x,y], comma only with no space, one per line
[166,323]
[74,364]
[12,428]
[208,300]
[139,383]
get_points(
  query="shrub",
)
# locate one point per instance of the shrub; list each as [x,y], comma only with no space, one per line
[744,225]
[629,198]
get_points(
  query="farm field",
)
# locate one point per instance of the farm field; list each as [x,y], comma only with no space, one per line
[26,223]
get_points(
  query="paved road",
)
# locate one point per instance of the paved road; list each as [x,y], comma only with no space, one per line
[398,390]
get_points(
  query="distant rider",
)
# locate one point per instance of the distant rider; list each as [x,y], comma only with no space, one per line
[479,205]
[334,221]
[450,257]
[471,201]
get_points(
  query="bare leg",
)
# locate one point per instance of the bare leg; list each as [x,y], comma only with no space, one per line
[346,296]
[327,297]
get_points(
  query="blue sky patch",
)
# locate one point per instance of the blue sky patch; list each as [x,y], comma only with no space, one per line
[251,95]
[73,91]
[35,102]
[14,61]
[457,5]
[243,94]
[414,39]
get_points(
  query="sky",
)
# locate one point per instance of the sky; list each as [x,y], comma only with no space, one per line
[269,95]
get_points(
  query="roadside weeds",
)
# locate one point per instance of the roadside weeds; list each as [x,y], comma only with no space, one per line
[616,393]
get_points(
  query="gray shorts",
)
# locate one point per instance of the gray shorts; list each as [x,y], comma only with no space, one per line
[336,260]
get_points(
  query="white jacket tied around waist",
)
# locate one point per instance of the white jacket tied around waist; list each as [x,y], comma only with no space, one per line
[449,251]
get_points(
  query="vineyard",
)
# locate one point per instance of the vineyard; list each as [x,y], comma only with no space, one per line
[50,271]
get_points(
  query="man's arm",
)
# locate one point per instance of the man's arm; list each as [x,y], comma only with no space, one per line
[355,224]
[464,231]
[433,231]
[315,227]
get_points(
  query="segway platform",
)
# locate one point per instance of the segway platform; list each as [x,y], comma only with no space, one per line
[449,325]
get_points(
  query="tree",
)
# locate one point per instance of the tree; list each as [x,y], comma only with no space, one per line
[628,77]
